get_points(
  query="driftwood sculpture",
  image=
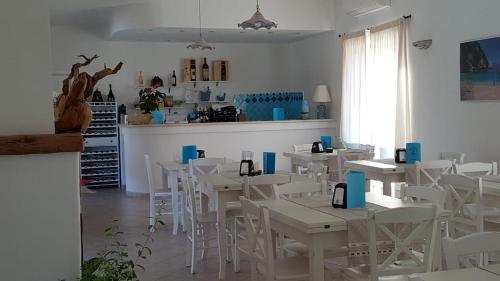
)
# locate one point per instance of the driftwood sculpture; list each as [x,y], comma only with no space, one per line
[71,111]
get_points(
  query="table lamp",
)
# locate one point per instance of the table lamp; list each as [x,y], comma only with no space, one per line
[321,96]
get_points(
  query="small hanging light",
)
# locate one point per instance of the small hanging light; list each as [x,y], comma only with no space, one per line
[258,21]
[200,43]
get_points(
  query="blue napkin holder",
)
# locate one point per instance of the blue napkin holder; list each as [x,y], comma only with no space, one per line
[269,163]
[189,152]
[326,141]
[356,190]
[278,113]
[413,152]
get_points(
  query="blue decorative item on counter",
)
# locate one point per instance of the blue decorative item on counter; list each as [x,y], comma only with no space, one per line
[326,141]
[278,113]
[413,152]
[356,190]
[158,117]
[221,97]
[205,95]
[189,152]
[259,107]
[269,163]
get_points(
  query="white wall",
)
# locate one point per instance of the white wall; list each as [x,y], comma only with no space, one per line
[252,67]
[25,56]
[441,121]
[312,63]
[39,194]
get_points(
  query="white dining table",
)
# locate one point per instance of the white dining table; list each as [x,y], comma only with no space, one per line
[386,171]
[468,274]
[306,157]
[313,222]
[493,268]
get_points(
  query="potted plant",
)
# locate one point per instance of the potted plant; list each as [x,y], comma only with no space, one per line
[149,100]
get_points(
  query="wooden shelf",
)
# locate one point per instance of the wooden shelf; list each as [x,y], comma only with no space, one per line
[41,144]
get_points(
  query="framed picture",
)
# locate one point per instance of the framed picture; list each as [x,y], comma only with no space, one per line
[480,70]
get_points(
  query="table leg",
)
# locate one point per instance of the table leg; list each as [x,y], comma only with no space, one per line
[174,188]
[316,261]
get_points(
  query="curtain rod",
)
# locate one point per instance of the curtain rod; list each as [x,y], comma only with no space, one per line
[372,27]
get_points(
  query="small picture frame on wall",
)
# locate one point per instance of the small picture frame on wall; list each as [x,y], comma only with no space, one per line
[480,70]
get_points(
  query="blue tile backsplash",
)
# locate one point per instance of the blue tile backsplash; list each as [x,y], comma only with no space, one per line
[259,107]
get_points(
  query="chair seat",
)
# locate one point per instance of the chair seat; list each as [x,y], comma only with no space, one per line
[292,268]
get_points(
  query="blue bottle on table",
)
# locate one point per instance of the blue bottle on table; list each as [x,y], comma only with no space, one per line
[413,152]
[356,190]
[269,163]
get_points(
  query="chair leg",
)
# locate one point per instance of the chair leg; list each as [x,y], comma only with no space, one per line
[152,213]
[175,211]
[183,213]
[194,249]
[205,232]
[236,245]
[188,250]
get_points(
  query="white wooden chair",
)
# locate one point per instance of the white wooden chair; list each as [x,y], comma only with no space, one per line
[471,250]
[202,225]
[229,169]
[452,156]
[349,155]
[429,172]
[316,172]
[203,166]
[256,188]
[418,230]
[423,194]
[158,200]
[463,191]
[261,252]
[297,189]
[301,164]
[476,169]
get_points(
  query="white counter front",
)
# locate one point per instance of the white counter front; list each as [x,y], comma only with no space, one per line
[165,142]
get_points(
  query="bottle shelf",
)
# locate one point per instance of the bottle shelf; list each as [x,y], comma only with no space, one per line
[99,174]
[102,103]
[99,160]
[99,153]
[99,167]
[217,83]
[210,101]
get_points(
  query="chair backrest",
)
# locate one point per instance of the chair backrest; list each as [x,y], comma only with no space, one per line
[417,224]
[261,187]
[229,169]
[317,171]
[302,147]
[260,246]
[204,166]
[423,194]
[457,156]
[470,250]
[368,147]
[462,192]
[299,189]
[429,172]
[349,155]
[190,201]
[149,174]
[476,169]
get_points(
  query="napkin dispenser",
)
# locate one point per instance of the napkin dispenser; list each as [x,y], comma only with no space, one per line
[340,196]
[246,167]
[400,155]
[317,147]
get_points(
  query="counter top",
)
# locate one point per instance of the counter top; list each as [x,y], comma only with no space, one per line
[227,123]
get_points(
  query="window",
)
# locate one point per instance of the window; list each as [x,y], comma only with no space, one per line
[375,92]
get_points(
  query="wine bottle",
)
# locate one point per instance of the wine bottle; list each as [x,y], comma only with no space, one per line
[140,80]
[97,96]
[205,71]
[111,96]
[193,70]
[173,80]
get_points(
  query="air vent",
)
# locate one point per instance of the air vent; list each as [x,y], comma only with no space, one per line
[371,7]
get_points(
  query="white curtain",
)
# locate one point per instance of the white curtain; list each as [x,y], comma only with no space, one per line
[375,95]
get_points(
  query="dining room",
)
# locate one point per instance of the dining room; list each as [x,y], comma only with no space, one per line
[322,140]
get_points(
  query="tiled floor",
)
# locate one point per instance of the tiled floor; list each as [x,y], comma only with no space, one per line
[167,262]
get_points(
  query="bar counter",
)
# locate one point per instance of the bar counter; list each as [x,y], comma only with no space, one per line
[164,143]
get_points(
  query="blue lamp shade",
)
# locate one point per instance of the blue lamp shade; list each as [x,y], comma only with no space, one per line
[356,190]
[189,152]
[269,163]
[413,152]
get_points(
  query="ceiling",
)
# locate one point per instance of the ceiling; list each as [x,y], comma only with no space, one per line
[93,15]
